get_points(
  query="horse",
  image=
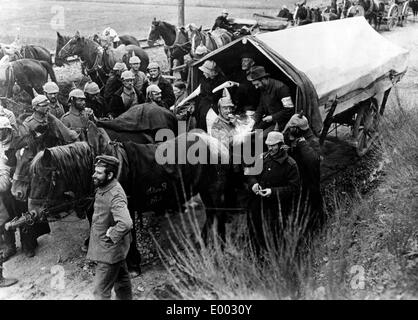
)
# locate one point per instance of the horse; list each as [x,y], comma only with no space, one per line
[27,73]
[211,40]
[100,62]
[176,42]
[373,11]
[149,185]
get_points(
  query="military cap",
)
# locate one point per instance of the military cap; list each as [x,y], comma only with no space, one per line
[107,160]
[134,59]
[39,99]
[153,65]
[153,88]
[127,75]
[120,66]
[299,121]
[50,87]
[274,137]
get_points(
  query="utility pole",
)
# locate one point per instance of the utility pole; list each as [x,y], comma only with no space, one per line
[180,13]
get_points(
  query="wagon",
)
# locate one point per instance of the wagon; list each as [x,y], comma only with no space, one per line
[395,13]
[336,83]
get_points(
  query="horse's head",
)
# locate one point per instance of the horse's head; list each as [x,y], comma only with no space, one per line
[182,44]
[58,172]
[154,32]
[21,176]
[61,42]
[73,47]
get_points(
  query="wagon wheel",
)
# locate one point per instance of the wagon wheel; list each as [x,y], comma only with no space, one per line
[355,11]
[392,17]
[406,12]
[365,129]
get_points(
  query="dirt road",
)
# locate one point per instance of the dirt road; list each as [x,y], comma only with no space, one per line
[59,269]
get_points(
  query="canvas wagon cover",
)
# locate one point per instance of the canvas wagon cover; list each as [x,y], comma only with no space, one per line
[338,56]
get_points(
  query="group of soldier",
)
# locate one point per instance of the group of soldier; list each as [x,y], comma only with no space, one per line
[289,179]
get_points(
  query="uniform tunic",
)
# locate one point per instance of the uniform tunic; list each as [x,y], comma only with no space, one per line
[140,80]
[56,109]
[35,125]
[281,174]
[77,122]
[271,105]
[110,211]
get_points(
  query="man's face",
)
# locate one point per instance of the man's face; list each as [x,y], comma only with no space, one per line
[128,83]
[226,111]
[273,149]
[258,84]
[5,133]
[154,73]
[156,96]
[42,108]
[100,178]
[135,66]
[79,103]
[52,97]
[246,63]
[177,92]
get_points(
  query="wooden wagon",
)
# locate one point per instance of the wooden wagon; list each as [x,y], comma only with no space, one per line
[334,82]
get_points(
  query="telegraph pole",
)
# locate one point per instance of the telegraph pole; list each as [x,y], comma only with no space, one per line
[180,13]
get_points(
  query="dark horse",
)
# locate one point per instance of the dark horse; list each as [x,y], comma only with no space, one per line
[98,62]
[31,51]
[62,41]
[148,184]
[28,74]
[176,41]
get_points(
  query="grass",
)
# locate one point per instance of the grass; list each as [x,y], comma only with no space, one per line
[369,249]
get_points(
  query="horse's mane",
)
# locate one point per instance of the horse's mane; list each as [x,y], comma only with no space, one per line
[74,162]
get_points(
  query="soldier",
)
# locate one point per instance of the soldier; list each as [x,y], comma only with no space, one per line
[275,105]
[140,78]
[110,235]
[224,125]
[51,91]
[222,22]
[6,237]
[114,83]
[275,192]
[308,161]
[155,77]
[299,122]
[9,115]
[38,121]
[154,95]
[245,96]
[77,118]
[125,97]
[94,100]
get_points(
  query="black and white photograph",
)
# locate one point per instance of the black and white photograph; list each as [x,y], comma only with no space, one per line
[225,151]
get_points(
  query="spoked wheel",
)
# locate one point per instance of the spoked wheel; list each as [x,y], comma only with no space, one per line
[365,130]
[406,12]
[392,18]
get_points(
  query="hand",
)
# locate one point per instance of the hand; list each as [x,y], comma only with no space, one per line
[265,192]
[268,119]
[256,188]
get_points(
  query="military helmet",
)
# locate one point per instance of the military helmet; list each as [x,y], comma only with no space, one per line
[39,99]
[127,75]
[274,137]
[134,59]
[153,65]
[5,123]
[50,87]
[91,88]
[76,93]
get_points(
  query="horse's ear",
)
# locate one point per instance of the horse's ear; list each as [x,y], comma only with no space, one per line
[200,28]
[77,34]
[59,35]
[47,158]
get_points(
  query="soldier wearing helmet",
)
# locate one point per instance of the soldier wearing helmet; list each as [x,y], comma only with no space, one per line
[154,95]
[114,83]
[94,100]
[6,212]
[155,77]
[77,118]
[109,38]
[125,97]
[38,121]
[140,78]
[222,22]
[277,183]
[51,91]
